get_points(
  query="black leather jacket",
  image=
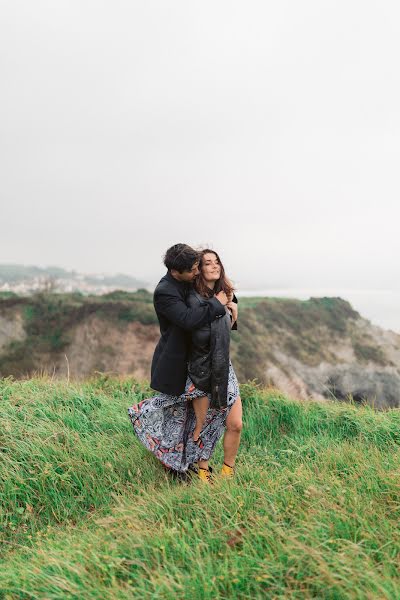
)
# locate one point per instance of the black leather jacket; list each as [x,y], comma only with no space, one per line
[208,365]
[177,320]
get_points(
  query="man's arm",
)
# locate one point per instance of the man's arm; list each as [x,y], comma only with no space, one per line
[175,310]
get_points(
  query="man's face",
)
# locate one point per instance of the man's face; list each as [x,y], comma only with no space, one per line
[186,275]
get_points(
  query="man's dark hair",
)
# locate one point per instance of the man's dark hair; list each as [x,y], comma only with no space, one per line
[180,257]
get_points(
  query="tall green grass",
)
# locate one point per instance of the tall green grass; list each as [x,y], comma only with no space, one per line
[87,512]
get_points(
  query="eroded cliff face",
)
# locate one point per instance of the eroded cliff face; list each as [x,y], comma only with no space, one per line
[339,355]
[98,345]
[345,374]
[319,348]
[11,328]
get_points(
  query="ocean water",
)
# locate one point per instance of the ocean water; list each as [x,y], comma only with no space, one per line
[381,307]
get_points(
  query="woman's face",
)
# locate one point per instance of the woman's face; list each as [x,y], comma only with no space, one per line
[210,269]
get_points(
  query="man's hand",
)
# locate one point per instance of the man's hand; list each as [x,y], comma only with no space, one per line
[230,296]
[222,297]
[234,310]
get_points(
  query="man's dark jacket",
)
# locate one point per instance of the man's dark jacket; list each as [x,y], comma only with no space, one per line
[169,365]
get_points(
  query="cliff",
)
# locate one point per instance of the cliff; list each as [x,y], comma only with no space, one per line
[320,347]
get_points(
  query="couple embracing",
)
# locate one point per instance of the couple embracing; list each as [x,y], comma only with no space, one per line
[197,389]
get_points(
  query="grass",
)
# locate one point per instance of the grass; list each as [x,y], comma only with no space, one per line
[87,512]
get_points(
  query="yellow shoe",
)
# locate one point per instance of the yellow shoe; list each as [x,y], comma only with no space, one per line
[204,475]
[227,471]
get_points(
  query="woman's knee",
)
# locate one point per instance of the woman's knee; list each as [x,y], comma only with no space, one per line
[234,425]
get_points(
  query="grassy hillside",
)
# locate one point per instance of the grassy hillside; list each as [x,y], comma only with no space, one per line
[87,513]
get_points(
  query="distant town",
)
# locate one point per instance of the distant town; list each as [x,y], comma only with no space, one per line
[27,280]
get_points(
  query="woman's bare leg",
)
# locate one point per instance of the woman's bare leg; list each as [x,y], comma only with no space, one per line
[232,433]
[200,406]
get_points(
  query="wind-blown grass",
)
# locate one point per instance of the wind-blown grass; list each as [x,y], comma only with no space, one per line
[86,512]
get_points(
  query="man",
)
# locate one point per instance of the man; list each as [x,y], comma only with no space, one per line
[169,365]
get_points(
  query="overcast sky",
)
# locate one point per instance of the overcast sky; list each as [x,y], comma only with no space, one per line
[269,130]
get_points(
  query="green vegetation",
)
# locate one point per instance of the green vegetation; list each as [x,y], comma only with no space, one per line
[299,327]
[306,330]
[367,352]
[306,315]
[50,318]
[298,314]
[87,512]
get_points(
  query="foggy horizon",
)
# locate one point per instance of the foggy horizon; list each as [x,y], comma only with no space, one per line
[255,286]
[268,132]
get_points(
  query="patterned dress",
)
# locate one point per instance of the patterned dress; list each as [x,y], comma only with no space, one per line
[165,424]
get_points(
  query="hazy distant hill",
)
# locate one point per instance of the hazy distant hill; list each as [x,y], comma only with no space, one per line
[24,279]
[318,348]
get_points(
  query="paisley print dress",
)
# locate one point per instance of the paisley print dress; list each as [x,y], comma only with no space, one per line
[164,425]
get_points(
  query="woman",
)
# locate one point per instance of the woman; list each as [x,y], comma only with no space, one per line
[167,425]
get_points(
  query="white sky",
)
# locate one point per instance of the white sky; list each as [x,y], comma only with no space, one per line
[270,130]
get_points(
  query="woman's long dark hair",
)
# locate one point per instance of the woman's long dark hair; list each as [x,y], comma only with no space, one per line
[222,284]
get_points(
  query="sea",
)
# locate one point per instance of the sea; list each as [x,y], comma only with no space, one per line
[381,307]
